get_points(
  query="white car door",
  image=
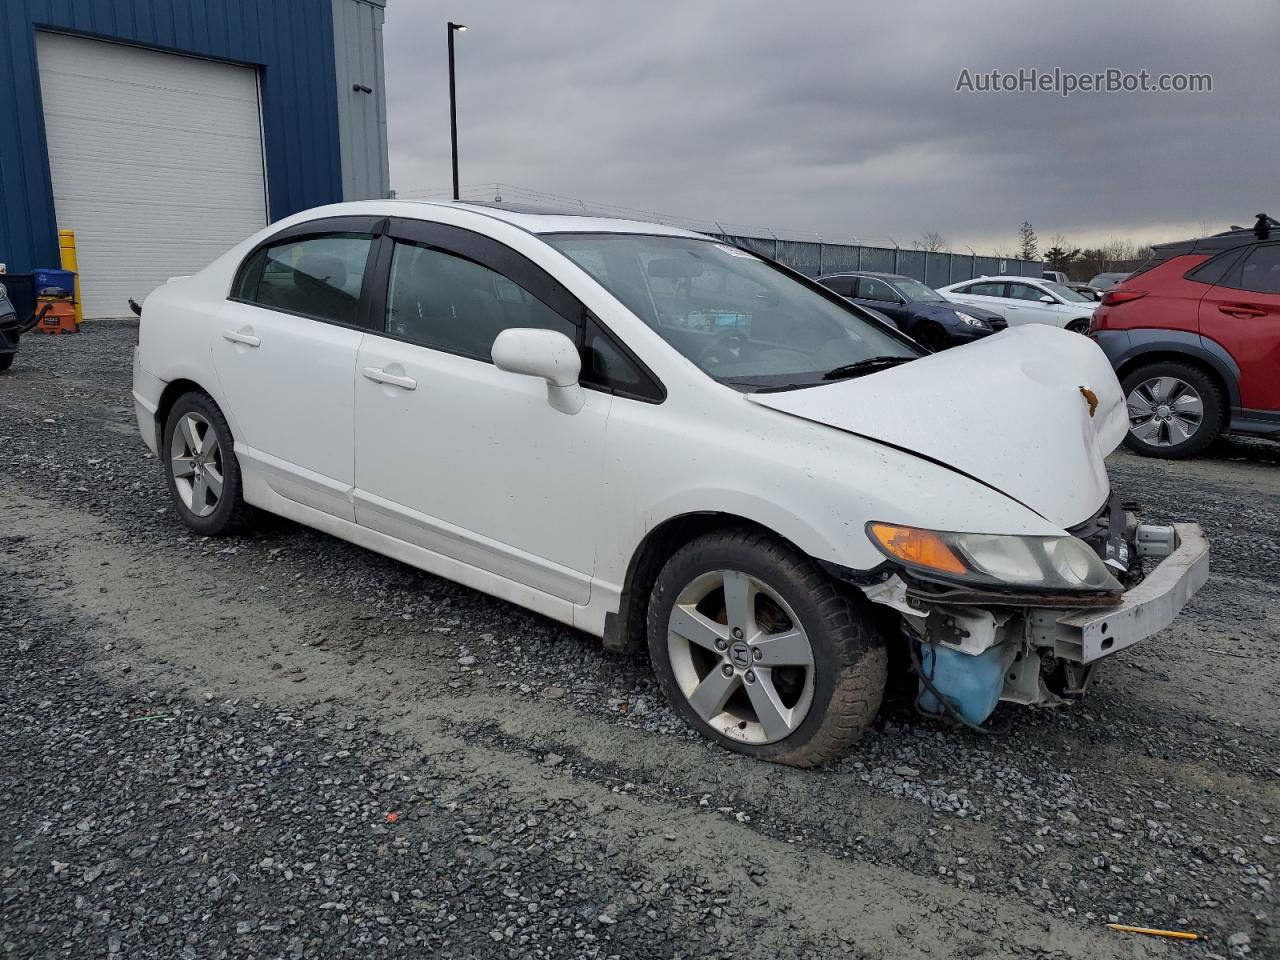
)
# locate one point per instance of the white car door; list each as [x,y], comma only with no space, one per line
[455,455]
[986,293]
[285,355]
[1025,301]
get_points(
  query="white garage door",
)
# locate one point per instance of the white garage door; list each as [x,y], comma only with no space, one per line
[156,161]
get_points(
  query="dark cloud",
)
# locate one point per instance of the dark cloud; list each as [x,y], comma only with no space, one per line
[842,119]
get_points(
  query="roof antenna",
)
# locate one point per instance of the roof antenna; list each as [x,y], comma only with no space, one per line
[1262,229]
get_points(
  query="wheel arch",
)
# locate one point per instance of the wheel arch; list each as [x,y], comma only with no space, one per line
[1129,349]
[179,387]
[1191,359]
[625,630]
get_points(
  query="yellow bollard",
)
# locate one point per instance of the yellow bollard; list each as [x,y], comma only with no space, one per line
[67,251]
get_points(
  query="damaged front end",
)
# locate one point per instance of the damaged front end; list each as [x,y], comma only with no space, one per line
[974,642]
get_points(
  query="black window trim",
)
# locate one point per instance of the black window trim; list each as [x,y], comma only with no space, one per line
[1227,257]
[1233,276]
[496,256]
[374,226]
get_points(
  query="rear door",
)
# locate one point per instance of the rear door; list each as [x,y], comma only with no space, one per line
[1243,314]
[285,354]
[983,293]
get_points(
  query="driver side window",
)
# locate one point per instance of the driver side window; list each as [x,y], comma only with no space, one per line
[449,303]
[869,288]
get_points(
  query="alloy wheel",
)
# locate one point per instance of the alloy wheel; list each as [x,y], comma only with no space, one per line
[1164,411]
[195,458]
[741,657]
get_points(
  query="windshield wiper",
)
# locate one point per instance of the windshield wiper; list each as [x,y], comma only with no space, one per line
[870,365]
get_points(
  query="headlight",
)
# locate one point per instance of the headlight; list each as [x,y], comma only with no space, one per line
[973,321]
[1043,563]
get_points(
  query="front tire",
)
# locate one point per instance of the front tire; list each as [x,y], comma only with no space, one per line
[1079,326]
[6,361]
[200,467]
[756,648]
[1175,410]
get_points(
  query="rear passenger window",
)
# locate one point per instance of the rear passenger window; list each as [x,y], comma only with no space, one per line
[1024,291]
[438,300]
[840,285]
[316,277]
[984,290]
[1259,271]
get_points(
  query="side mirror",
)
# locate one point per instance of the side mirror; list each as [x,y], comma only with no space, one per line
[1047,299]
[546,354]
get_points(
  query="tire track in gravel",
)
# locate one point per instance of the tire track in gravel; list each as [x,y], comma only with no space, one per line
[161,620]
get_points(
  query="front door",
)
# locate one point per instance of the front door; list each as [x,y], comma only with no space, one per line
[455,455]
[285,349]
[1024,303]
[1243,314]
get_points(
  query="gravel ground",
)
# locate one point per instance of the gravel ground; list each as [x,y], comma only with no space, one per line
[284,746]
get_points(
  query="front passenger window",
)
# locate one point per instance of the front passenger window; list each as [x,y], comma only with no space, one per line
[316,277]
[438,300]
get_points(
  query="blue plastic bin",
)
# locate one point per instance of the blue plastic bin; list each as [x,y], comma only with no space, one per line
[45,277]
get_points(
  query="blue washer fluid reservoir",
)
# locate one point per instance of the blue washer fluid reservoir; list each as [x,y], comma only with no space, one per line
[971,684]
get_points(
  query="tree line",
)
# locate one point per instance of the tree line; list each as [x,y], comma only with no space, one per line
[1113,256]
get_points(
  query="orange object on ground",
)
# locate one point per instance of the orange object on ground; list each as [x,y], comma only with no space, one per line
[56,316]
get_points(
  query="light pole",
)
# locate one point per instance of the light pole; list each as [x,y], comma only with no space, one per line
[453,107]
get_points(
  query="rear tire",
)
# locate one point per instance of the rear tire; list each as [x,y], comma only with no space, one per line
[200,467]
[6,361]
[1189,421]
[1080,326]
[798,684]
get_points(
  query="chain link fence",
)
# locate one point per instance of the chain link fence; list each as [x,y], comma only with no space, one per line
[816,259]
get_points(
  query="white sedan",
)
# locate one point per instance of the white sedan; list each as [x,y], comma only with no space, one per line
[1026,300]
[670,443]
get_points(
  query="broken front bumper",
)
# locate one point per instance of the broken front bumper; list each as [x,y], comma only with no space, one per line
[977,653]
[1148,608]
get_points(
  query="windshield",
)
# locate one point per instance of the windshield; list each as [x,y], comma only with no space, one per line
[739,319]
[1066,293]
[917,292]
[1105,281]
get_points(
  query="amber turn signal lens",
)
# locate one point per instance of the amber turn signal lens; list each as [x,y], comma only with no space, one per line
[919,548]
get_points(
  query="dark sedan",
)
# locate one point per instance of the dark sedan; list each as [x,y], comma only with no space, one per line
[919,311]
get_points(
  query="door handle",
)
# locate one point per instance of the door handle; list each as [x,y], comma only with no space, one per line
[238,336]
[1241,311]
[378,375]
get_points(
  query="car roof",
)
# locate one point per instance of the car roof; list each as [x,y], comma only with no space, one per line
[866,273]
[542,221]
[1212,245]
[1031,280]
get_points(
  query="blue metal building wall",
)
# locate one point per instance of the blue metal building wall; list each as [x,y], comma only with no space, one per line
[289,41]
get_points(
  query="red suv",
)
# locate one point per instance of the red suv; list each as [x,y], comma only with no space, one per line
[1194,336]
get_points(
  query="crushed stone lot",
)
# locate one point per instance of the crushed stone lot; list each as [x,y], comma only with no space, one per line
[282,745]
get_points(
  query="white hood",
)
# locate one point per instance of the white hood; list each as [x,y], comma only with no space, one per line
[1007,410]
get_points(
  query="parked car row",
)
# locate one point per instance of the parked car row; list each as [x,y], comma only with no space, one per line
[965,311]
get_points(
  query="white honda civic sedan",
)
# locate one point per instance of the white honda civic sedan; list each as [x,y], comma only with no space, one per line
[673,444]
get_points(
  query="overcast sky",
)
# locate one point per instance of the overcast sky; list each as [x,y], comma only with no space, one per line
[842,119]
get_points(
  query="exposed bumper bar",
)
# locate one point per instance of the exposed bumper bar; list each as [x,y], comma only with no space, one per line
[1146,609]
